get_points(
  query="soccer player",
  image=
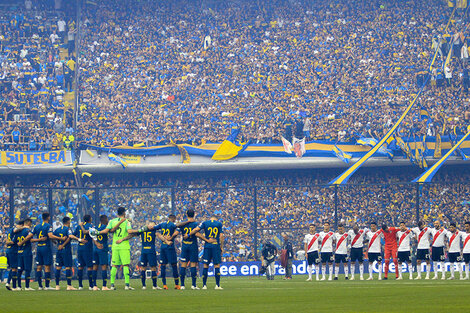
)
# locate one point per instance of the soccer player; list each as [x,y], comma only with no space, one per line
[44,250]
[12,258]
[63,256]
[466,249]
[326,250]
[25,254]
[148,254]
[422,252]
[357,250]
[212,250]
[311,251]
[439,235]
[85,251]
[404,236]
[100,254]
[341,251]
[455,238]
[374,251]
[189,250]
[167,251]
[120,227]
[390,236]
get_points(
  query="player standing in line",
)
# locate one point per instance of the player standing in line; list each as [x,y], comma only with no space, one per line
[168,251]
[326,249]
[455,258]
[44,250]
[390,236]
[374,251]
[439,235]
[120,227]
[63,256]
[422,252]
[189,249]
[25,254]
[357,250]
[85,251]
[212,251]
[12,258]
[100,254]
[148,256]
[311,251]
[404,245]
[341,251]
[466,249]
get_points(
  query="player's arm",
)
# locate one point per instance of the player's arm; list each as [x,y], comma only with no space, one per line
[181,224]
[30,235]
[19,228]
[175,233]
[83,229]
[202,237]
[54,237]
[97,244]
[113,229]
[194,231]
[162,238]
[126,238]
[9,241]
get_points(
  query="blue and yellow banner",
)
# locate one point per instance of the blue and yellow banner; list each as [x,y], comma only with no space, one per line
[35,158]
[230,148]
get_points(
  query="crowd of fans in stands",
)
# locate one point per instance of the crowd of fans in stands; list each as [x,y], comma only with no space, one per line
[34,76]
[155,71]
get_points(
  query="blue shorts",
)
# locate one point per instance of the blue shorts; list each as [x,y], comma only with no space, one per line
[149,259]
[100,257]
[212,254]
[44,256]
[84,258]
[189,253]
[63,258]
[25,262]
[168,256]
[12,259]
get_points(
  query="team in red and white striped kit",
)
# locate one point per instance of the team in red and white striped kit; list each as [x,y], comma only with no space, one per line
[433,244]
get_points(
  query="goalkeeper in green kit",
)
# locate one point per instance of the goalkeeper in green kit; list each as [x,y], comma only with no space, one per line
[120,227]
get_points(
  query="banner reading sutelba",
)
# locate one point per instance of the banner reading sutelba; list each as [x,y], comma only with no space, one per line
[30,159]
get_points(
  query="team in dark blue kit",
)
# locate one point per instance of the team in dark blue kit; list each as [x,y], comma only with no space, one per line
[93,251]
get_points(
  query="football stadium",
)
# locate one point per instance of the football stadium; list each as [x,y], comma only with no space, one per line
[234,155]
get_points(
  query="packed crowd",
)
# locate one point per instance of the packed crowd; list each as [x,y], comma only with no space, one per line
[284,201]
[156,71]
[36,71]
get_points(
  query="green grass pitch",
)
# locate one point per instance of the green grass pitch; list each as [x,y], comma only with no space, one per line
[254,294]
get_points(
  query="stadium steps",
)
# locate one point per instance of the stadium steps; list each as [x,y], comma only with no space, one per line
[63,53]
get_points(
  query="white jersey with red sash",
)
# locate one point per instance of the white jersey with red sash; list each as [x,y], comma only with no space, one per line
[341,243]
[423,237]
[375,241]
[404,240]
[326,241]
[454,241]
[438,237]
[466,242]
[357,240]
[312,242]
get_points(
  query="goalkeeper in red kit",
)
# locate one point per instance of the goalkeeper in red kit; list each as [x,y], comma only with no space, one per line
[391,247]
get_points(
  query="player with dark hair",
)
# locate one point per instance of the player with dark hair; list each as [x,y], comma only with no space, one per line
[167,251]
[423,235]
[374,250]
[327,239]
[391,248]
[25,253]
[85,251]
[44,234]
[404,246]
[357,250]
[63,256]
[189,250]
[455,258]
[212,251]
[439,235]
[100,254]
[12,257]
[311,245]
[341,251]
